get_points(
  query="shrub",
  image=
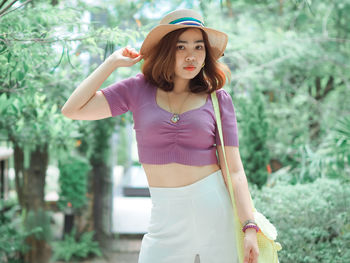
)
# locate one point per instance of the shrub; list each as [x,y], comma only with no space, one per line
[312,220]
[73,181]
[253,127]
[73,248]
[12,232]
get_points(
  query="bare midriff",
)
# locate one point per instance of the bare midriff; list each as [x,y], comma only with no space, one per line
[175,174]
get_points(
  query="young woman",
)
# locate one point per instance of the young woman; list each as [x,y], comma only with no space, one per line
[177,139]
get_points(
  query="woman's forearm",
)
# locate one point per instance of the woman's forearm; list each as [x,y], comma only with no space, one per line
[87,89]
[242,196]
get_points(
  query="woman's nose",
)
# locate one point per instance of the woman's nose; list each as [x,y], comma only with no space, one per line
[190,58]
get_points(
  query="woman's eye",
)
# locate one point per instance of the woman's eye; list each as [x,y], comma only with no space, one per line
[200,47]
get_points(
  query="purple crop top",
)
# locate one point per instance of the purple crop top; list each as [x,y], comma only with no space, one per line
[190,141]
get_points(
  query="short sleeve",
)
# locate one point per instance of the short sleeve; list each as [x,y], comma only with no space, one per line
[228,120]
[122,96]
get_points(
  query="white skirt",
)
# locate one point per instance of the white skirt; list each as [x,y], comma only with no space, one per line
[188,221]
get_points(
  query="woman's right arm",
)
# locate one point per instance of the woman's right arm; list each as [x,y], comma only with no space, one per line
[87,102]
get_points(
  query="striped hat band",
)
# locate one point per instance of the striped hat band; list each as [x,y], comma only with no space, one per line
[187,21]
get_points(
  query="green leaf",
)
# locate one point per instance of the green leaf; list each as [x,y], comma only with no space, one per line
[25,67]
[20,75]
[53,109]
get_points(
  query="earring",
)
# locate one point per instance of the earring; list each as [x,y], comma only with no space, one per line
[203,65]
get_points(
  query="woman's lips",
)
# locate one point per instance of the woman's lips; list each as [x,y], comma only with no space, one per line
[190,68]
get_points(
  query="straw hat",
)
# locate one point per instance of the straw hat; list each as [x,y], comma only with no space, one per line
[183,18]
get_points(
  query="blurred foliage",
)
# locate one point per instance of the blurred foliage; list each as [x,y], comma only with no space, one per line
[42,50]
[73,181]
[297,54]
[74,248]
[12,233]
[312,220]
[31,121]
[30,80]
[331,159]
[254,128]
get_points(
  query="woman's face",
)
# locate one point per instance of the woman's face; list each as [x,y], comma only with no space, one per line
[190,54]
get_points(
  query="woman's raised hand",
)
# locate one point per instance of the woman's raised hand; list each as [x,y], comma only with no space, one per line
[125,57]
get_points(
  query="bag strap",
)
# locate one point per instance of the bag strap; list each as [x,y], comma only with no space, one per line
[218,123]
[238,224]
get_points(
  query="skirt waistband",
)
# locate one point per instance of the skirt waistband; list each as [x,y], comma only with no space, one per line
[212,182]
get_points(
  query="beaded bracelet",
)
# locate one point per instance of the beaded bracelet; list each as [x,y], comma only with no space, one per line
[249,221]
[251,226]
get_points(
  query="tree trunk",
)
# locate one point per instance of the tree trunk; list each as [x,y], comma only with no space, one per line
[281,8]
[19,172]
[319,94]
[30,186]
[101,183]
[34,179]
[102,193]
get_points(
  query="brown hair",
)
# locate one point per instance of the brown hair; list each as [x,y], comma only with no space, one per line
[158,68]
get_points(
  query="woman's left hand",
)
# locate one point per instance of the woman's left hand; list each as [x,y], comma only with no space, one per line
[251,249]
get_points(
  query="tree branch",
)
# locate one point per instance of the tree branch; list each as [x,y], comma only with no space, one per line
[2,13]
[329,86]
[7,7]
[2,3]
[40,40]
